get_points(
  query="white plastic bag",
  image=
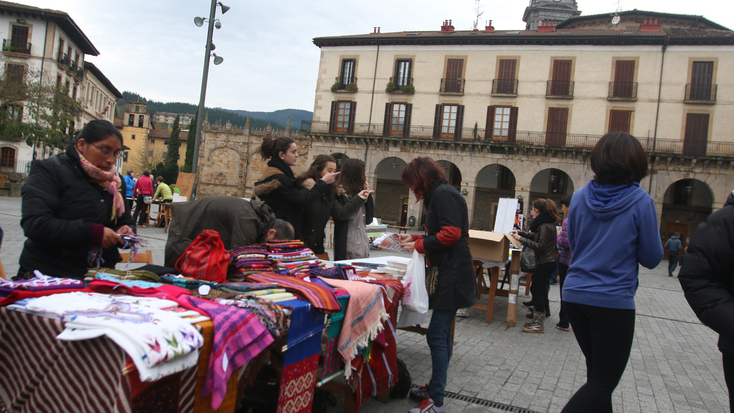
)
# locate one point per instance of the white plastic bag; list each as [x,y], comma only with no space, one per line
[415,298]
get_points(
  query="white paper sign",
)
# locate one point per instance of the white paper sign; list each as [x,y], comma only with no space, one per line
[512,298]
[506,215]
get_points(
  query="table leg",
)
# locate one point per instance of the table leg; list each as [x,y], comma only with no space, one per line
[494,272]
[512,300]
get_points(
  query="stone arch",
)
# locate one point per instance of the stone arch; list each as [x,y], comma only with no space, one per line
[454,175]
[225,177]
[552,183]
[391,195]
[493,182]
[664,181]
[686,204]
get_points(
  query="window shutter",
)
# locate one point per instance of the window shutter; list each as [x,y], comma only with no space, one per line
[460,119]
[701,80]
[333,117]
[407,124]
[351,125]
[437,121]
[489,123]
[695,134]
[619,121]
[513,125]
[386,119]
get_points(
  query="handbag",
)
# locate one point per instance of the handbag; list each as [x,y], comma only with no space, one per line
[432,280]
[205,258]
[148,199]
[528,259]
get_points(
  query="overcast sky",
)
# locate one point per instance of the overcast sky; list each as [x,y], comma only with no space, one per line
[153,47]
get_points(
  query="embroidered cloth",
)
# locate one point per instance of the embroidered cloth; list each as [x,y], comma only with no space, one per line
[322,298]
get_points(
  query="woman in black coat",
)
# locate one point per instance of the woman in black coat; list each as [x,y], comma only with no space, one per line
[278,187]
[72,206]
[446,247]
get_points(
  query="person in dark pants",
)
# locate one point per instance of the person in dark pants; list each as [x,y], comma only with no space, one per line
[143,187]
[565,257]
[673,244]
[706,276]
[612,228]
[542,238]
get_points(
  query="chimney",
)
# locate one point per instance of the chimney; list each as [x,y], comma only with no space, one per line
[489,27]
[375,30]
[378,30]
[650,25]
[546,26]
[447,27]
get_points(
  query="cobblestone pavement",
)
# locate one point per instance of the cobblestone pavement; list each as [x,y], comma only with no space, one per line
[674,364]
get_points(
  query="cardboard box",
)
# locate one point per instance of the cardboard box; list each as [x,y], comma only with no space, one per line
[486,245]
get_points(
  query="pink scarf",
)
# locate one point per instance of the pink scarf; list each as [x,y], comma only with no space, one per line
[108,180]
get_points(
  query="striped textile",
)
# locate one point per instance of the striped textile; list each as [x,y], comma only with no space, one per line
[322,298]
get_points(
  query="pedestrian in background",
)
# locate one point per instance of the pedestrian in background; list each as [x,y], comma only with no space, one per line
[446,248]
[163,191]
[143,187]
[129,185]
[350,235]
[565,257]
[706,276]
[673,244]
[612,228]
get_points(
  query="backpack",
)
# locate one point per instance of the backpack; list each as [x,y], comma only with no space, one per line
[403,385]
[205,258]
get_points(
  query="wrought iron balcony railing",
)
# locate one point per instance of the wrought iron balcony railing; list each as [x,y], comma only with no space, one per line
[623,91]
[453,86]
[505,87]
[700,93]
[343,82]
[10,45]
[400,83]
[559,89]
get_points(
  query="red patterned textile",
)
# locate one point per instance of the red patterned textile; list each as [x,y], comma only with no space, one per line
[297,386]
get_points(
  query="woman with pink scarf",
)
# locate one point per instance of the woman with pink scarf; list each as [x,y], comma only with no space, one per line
[72,207]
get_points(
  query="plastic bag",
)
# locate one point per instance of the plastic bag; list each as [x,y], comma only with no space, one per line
[415,298]
[528,259]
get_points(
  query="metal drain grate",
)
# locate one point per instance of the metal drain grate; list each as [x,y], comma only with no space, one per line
[486,403]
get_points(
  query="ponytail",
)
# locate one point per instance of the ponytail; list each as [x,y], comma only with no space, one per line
[270,148]
[548,206]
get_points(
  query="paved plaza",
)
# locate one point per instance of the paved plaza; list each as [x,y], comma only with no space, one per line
[674,364]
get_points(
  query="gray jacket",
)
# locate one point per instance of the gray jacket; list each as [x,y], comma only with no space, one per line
[673,244]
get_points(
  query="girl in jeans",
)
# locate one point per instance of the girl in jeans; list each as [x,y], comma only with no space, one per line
[612,227]
[445,247]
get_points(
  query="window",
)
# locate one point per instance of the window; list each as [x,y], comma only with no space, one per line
[342,119]
[556,126]
[695,134]
[19,39]
[131,120]
[397,120]
[150,153]
[58,81]
[453,81]
[132,137]
[153,141]
[619,121]
[347,73]
[701,85]
[505,84]
[501,123]
[561,79]
[15,111]
[624,86]
[125,156]
[403,73]
[15,73]
[448,121]
[165,142]
[141,119]
[7,158]
[74,92]
[61,50]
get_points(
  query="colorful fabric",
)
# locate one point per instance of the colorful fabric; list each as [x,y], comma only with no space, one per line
[297,386]
[205,258]
[332,359]
[39,282]
[363,319]
[239,336]
[270,314]
[108,180]
[126,282]
[124,275]
[320,297]
[247,287]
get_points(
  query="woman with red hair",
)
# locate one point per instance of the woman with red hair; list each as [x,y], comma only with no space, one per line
[446,247]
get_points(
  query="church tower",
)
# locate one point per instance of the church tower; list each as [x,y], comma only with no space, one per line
[555,10]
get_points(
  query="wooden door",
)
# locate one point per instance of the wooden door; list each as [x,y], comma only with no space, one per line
[672,229]
[506,76]
[695,134]
[454,75]
[561,78]
[701,88]
[343,116]
[448,121]
[556,127]
[624,75]
[619,121]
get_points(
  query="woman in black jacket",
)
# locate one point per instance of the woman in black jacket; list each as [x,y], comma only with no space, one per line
[446,247]
[279,188]
[542,239]
[317,214]
[72,206]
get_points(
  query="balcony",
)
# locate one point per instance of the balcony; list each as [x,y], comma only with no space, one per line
[556,89]
[398,87]
[706,94]
[345,84]
[523,139]
[9,45]
[623,91]
[451,87]
[64,60]
[505,87]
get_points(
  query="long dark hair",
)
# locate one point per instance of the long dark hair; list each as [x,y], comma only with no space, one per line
[419,175]
[352,176]
[98,130]
[548,206]
[270,148]
[315,172]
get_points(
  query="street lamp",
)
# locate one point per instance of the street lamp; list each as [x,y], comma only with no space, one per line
[199,22]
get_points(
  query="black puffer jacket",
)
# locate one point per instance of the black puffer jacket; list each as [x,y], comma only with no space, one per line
[707,274]
[447,247]
[60,204]
[543,242]
[317,215]
[279,189]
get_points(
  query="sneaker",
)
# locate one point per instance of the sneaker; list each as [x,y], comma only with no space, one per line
[534,328]
[420,393]
[462,312]
[427,406]
[562,328]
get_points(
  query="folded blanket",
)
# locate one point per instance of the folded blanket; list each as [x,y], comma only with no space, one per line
[320,297]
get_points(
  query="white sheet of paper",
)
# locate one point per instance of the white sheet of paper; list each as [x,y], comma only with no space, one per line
[506,215]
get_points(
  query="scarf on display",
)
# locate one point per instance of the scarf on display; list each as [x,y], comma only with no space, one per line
[322,298]
[109,181]
[542,218]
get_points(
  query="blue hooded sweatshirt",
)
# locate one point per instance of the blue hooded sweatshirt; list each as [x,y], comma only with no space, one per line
[611,229]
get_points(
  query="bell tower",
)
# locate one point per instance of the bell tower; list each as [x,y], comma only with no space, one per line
[554,10]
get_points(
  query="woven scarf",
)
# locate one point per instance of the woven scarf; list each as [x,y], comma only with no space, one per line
[108,180]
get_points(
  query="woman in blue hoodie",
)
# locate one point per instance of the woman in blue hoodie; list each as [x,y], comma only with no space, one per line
[612,228]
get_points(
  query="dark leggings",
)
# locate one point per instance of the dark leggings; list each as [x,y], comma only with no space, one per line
[141,211]
[563,319]
[540,285]
[605,336]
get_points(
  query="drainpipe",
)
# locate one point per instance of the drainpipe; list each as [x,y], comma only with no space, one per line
[658,108]
[372,97]
[43,59]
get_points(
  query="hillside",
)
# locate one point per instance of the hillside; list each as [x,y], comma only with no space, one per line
[279,116]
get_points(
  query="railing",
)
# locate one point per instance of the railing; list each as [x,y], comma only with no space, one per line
[10,46]
[622,91]
[64,60]
[505,87]
[343,82]
[23,167]
[400,86]
[559,89]
[529,139]
[452,86]
[700,94]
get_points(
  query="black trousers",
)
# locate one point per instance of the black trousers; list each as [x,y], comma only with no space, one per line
[540,285]
[141,210]
[605,336]
[563,319]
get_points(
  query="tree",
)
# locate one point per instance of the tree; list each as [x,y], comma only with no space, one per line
[190,138]
[169,168]
[141,160]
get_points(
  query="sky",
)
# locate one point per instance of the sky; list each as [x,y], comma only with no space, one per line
[154,48]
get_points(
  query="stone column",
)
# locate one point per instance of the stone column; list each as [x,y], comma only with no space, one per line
[471,188]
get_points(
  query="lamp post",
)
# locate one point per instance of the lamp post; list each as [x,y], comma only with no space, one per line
[217,60]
